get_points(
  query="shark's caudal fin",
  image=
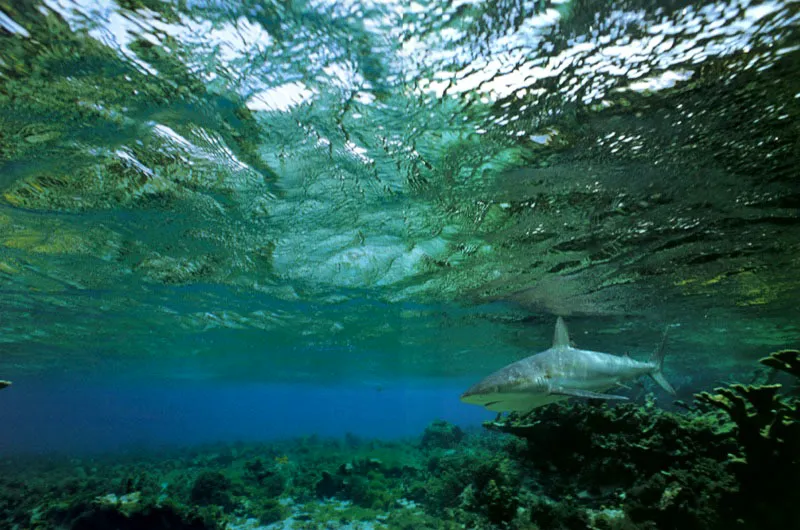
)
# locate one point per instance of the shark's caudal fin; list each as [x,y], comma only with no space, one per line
[657,360]
[561,336]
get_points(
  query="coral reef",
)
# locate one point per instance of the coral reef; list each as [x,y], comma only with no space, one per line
[212,487]
[730,460]
[441,434]
[785,360]
[767,429]
[149,518]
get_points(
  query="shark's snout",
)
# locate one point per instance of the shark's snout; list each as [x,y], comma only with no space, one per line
[469,395]
[479,393]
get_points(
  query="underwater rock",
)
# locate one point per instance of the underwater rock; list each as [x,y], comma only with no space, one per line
[367,492]
[271,511]
[566,515]
[256,471]
[151,518]
[365,482]
[482,482]
[328,486]
[4,384]
[271,481]
[441,435]
[125,504]
[601,446]
[212,488]
[499,501]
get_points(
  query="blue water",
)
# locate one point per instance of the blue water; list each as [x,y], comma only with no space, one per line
[79,417]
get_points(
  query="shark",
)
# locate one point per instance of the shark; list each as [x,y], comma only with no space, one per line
[562,372]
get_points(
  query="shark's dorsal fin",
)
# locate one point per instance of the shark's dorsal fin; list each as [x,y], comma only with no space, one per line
[561,336]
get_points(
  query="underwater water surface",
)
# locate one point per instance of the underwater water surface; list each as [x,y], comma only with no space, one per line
[252,253]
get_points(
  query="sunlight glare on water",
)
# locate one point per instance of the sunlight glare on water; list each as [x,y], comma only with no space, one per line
[328,191]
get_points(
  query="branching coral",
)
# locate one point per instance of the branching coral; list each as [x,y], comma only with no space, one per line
[757,411]
[768,431]
[698,469]
[785,360]
[768,425]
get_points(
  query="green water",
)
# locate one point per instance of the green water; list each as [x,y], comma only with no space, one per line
[416,187]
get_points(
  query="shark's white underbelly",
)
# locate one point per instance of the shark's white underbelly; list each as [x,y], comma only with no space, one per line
[522,402]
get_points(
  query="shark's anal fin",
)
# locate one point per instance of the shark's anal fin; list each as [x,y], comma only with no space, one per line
[575,392]
[561,336]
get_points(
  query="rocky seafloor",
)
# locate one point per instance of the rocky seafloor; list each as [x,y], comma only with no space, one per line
[730,459]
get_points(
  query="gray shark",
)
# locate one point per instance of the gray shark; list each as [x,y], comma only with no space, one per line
[559,373]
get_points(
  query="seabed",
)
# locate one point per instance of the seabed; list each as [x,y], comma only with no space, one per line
[730,459]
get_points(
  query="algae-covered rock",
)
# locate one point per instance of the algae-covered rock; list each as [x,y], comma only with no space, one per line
[441,435]
[4,384]
[270,480]
[565,515]
[328,485]
[212,488]
[149,518]
[368,492]
[479,483]
[125,504]
[270,511]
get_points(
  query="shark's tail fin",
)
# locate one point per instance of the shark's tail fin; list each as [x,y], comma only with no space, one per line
[657,360]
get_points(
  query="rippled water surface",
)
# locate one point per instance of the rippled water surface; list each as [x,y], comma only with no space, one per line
[379,191]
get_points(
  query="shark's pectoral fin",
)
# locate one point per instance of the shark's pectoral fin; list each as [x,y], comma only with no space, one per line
[575,392]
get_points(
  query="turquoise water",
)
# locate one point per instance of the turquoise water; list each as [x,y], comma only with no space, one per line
[247,222]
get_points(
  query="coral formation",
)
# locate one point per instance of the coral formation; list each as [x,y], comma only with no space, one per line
[212,487]
[728,461]
[767,429]
[442,435]
[786,360]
